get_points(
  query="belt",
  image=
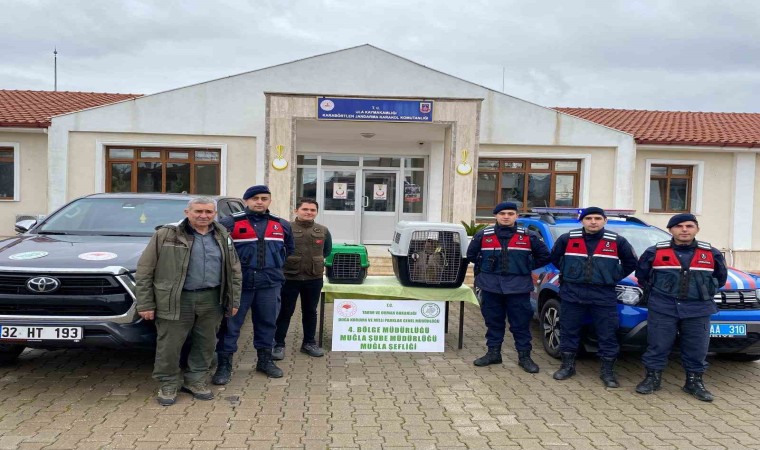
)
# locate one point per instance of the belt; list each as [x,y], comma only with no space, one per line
[201,289]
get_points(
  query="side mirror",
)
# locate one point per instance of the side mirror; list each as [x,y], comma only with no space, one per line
[22,226]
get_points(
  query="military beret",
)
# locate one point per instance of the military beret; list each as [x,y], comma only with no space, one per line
[593,210]
[504,205]
[255,190]
[679,218]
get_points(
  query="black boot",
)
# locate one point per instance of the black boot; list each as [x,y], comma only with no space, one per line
[223,372]
[607,373]
[266,364]
[492,357]
[696,387]
[567,369]
[526,363]
[652,382]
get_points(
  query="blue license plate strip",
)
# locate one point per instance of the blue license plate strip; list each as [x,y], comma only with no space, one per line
[728,329]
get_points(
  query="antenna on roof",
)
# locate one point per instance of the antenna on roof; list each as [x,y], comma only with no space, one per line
[55,68]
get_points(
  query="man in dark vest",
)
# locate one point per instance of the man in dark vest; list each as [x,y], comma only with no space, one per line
[303,277]
[504,255]
[680,278]
[591,261]
[263,241]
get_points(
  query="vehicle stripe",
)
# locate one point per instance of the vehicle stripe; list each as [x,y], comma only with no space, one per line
[749,282]
[733,281]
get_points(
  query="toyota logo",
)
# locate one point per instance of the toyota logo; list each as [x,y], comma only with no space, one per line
[42,284]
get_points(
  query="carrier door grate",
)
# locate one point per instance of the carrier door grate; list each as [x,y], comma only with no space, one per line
[434,257]
[347,266]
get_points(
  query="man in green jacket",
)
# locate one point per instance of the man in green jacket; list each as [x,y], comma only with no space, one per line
[187,278]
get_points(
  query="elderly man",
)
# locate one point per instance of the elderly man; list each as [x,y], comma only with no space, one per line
[188,277]
[263,241]
[504,255]
[680,277]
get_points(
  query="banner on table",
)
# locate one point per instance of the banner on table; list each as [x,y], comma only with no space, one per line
[388,325]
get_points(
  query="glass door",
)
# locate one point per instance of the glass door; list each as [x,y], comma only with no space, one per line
[379,206]
[340,208]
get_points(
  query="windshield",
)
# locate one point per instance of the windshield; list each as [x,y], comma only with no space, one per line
[114,216]
[640,238]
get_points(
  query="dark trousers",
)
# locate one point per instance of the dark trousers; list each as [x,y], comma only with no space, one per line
[309,291]
[605,320]
[661,334]
[265,306]
[199,317]
[497,308]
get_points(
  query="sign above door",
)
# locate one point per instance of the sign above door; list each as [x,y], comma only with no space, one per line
[374,109]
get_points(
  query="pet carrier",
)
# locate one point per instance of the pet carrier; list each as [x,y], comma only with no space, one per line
[347,264]
[429,254]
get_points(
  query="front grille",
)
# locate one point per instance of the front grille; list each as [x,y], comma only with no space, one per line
[78,295]
[98,284]
[743,299]
[434,257]
[734,343]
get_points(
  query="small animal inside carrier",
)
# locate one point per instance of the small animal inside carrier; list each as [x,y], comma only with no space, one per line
[429,254]
[347,264]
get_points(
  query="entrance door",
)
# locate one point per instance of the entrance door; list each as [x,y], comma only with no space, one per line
[380,210]
[339,204]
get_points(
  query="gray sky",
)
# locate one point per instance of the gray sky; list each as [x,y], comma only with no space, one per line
[694,55]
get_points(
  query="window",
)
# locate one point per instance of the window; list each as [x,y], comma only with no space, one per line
[7,173]
[527,182]
[154,169]
[670,188]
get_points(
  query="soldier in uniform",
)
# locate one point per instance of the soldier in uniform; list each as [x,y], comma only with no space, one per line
[680,278]
[303,277]
[263,241]
[591,261]
[504,255]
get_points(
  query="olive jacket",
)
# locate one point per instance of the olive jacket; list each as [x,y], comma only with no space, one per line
[162,268]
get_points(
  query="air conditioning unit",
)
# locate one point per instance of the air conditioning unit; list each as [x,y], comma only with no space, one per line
[429,254]
[347,264]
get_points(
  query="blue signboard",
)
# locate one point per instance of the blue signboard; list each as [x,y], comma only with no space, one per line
[374,109]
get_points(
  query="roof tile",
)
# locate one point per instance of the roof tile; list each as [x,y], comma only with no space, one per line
[33,109]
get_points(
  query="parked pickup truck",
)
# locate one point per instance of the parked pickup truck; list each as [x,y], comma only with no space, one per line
[68,280]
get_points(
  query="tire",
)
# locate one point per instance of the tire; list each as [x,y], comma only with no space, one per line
[738,357]
[9,353]
[549,325]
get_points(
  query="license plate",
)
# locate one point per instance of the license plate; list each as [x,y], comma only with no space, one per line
[728,329]
[32,333]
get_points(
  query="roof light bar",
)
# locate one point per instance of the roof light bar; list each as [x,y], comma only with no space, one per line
[578,211]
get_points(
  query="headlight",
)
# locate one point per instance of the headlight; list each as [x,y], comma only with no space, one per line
[628,295]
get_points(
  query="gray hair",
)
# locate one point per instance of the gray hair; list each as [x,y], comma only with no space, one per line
[201,201]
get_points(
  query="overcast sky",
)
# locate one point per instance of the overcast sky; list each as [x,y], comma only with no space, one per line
[693,55]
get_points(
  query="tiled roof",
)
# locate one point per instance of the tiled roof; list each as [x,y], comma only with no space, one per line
[33,109]
[677,127]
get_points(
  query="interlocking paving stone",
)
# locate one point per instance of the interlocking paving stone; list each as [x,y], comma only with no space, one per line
[103,399]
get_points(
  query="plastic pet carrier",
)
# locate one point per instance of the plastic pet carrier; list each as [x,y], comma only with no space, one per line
[347,264]
[429,254]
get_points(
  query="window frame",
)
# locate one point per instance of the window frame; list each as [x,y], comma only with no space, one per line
[165,159]
[668,177]
[526,170]
[16,161]
[696,186]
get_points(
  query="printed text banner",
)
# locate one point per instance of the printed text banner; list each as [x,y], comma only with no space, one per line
[374,109]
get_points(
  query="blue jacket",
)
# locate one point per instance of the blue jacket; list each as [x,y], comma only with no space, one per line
[663,297]
[504,268]
[594,292]
[263,242]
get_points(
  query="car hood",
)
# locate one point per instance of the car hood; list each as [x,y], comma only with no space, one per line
[71,252]
[737,280]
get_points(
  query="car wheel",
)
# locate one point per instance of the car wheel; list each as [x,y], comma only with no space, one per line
[739,357]
[549,323]
[9,352]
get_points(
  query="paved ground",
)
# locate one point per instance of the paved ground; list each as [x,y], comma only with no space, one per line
[104,399]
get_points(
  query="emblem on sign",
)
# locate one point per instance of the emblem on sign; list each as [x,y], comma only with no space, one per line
[430,310]
[347,308]
[327,105]
[425,107]
[42,285]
